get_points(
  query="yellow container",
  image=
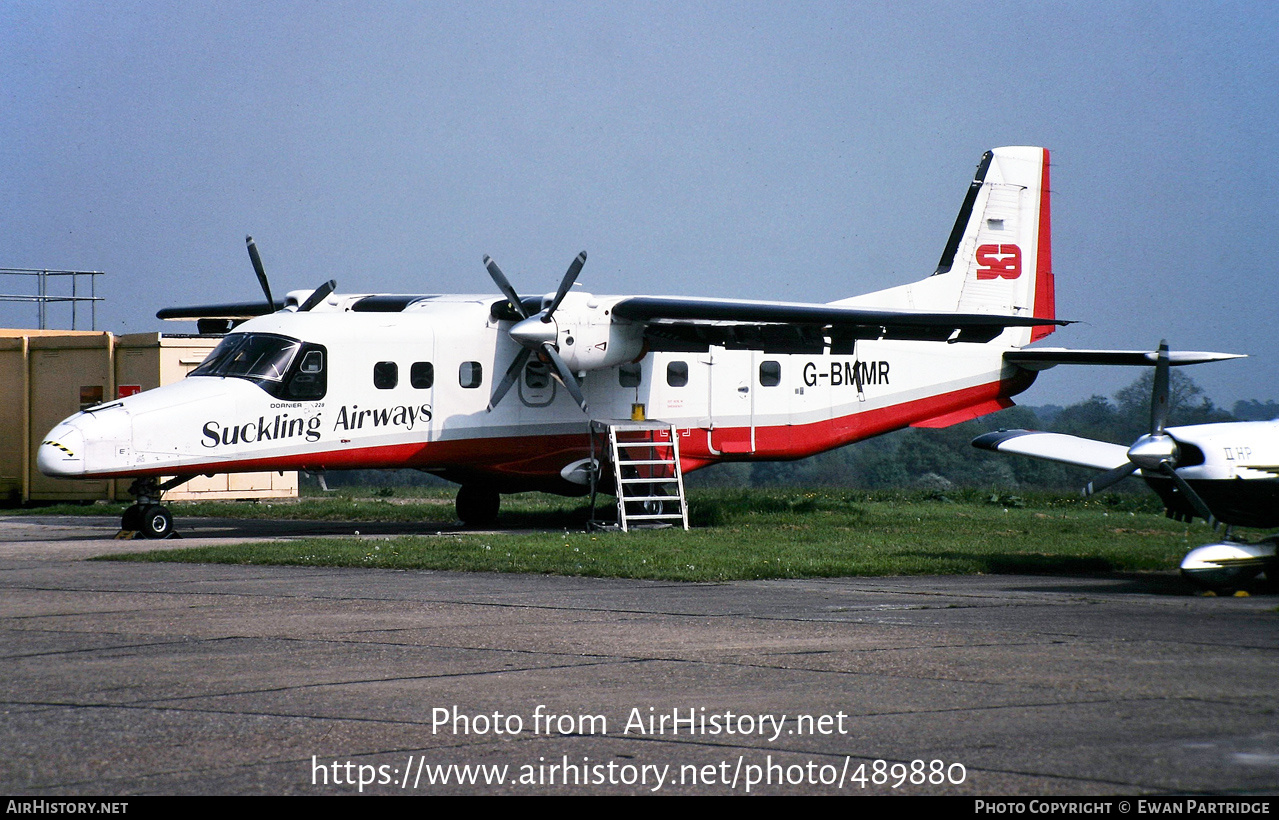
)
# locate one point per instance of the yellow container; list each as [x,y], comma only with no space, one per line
[48,375]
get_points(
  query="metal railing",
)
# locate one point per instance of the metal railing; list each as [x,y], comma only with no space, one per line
[43,298]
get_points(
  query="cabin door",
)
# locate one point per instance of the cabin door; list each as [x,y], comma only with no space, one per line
[731,400]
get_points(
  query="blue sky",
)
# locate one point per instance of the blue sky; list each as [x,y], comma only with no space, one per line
[799,151]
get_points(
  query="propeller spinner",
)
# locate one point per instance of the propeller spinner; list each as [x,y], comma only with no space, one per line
[537,333]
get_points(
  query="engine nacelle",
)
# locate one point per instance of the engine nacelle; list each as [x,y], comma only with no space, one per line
[589,339]
[1228,564]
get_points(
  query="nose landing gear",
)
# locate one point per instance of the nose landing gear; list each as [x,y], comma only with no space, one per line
[148,521]
[147,517]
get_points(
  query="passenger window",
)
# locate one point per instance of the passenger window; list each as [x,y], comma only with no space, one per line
[386,375]
[770,374]
[628,375]
[677,374]
[470,374]
[422,375]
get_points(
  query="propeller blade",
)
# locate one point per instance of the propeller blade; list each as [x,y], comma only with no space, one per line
[512,373]
[504,285]
[1193,497]
[1159,395]
[1110,477]
[570,276]
[566,375]
[259,270]
[318,295]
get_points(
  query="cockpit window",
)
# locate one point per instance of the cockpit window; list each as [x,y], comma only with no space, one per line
[272,362]
[250,356]
[213,361]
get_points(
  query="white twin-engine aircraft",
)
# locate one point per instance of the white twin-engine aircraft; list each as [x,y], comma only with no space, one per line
[495,393]
[1226,472]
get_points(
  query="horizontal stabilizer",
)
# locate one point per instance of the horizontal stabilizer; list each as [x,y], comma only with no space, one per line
[1046,357]
[1059,447]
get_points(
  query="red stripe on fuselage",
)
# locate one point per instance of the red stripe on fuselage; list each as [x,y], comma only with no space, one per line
[784,442]
[533,462]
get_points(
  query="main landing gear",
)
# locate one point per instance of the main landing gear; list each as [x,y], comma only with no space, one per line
[147,517]
[477,505]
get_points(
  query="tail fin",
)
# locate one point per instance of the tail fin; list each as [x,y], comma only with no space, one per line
[1001,246]
[998,258]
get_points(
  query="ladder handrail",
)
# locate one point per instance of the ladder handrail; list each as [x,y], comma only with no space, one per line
[664,453]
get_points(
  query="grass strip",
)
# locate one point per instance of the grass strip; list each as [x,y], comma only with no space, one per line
[755,534]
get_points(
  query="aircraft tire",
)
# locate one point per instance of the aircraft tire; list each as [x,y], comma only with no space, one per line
[131,521]
[477,505]
[155,522]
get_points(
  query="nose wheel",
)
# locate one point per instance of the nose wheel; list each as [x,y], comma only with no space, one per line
[148,520]
[147,517]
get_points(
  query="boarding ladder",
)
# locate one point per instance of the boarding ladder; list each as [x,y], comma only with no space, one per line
[643,461]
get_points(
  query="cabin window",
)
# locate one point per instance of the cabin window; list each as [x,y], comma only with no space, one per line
[770,374]
[628,375]
[312,362]
[422,375]
[386,375]
[470,374]
[677,374]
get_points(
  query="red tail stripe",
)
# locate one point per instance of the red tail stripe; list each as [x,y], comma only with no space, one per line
[1045,291]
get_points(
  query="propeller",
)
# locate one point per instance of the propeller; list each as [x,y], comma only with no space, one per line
[1156,451]
[537,333]
[317,296]
[259,270]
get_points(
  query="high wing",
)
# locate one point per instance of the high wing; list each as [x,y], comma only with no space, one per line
[236,311]
[220,318]
[1046,357]
[690,324]
[1059,447]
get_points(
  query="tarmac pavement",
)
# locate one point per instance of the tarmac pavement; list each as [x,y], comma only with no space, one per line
[132,679]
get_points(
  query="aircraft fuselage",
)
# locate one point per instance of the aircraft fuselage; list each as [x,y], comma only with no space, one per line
[333,389]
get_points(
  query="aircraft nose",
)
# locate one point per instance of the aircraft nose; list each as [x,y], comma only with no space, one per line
[61,455]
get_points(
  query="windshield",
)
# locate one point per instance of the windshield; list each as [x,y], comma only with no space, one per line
[250,356]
